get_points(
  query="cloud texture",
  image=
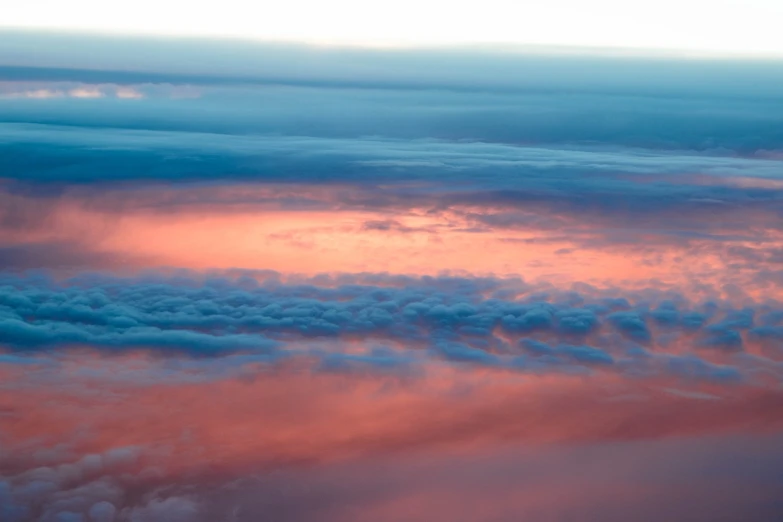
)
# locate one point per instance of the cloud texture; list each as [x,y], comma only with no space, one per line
[245,282]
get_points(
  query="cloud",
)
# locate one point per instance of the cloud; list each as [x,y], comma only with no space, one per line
[630,324]
[102,511]
[174,509]
[468,69]
[194,154]
[593,195]
[49,90]
[640,199]
[383,321]
[59,254]
[216,443]
[443,144]
[554,208]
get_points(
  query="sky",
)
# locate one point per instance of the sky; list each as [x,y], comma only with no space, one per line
[748,27]
[416,262]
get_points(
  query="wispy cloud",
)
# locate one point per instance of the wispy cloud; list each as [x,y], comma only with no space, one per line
[47,90]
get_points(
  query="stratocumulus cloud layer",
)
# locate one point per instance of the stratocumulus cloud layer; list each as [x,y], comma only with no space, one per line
[245,282]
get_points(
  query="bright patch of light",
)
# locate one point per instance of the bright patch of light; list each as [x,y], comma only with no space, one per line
[715,26]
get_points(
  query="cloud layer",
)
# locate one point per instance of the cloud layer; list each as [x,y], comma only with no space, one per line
[245,282]
[237,436]
[396,321]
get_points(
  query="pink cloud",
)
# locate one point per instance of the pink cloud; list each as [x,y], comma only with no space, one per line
[292,413]
[265,228]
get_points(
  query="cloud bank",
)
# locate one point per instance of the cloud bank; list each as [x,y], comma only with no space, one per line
[242,282]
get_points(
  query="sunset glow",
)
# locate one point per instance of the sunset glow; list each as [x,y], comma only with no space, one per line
[421,262]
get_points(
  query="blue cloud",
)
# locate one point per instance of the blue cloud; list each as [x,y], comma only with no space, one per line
[458,319]
[630,324]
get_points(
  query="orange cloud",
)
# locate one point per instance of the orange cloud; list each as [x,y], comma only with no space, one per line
[185,417]
[312,230]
